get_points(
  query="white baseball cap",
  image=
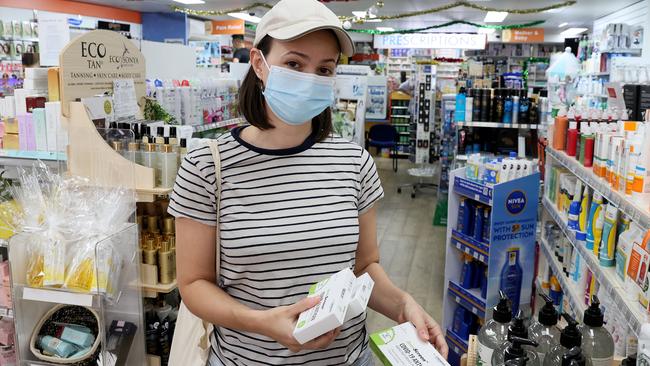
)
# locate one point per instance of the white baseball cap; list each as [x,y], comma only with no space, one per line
[291,19]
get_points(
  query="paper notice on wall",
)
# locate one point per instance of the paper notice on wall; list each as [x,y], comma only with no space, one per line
[125,101]
[54,34]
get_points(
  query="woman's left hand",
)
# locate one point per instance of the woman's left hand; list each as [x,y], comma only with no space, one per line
[427,328]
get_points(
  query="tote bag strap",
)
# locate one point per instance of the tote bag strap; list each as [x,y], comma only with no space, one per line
[214,149]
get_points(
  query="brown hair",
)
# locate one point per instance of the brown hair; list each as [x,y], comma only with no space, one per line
[251,102]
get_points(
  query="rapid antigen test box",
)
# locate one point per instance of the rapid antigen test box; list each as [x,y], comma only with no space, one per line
[361,292]
[335,295]
[401,346]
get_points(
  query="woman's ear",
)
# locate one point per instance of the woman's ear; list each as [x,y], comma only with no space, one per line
[257,63]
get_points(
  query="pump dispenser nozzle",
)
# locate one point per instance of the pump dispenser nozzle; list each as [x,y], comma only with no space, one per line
[547,314]
[502,312]
[515,350]
[570,336]
[517,328]
[517,362]
[594,316]
[574,357]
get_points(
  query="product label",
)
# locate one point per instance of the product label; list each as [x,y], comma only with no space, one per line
[484,355]
[401,346]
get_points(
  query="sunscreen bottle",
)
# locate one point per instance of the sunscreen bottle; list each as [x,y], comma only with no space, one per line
[594,211]
[607,252]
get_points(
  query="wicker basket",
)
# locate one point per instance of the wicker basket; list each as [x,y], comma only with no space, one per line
[68,314]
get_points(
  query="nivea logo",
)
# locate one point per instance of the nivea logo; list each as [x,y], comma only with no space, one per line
[516,202]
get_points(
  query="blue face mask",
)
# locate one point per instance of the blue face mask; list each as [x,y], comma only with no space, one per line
[297,97]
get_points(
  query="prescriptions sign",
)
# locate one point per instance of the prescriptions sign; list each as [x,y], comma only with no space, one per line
[431,40]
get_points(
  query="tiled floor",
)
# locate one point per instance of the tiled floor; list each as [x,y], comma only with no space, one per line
[412,249]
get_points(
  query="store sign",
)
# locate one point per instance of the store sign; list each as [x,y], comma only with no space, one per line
[231,26]
[523,35]
[431,40]
[90,63]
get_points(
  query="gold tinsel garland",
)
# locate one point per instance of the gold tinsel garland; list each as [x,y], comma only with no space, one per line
[437,9]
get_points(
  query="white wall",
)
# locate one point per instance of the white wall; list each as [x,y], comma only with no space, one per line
[168,60]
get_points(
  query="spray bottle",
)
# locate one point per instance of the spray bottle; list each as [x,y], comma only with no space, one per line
[495,331]
[597,343]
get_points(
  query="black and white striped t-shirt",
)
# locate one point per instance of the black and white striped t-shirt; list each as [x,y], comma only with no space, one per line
[289,218]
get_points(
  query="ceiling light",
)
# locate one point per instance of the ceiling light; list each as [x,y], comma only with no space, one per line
[573,31]
[190,2]
[385,29]
[373,20]
[245,16]
[563,25]
[486,30]
[495,16]
[359,13]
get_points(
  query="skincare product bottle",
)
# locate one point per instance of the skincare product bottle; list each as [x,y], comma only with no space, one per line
[595,222]
[182,151]
[486,105]
[515,329]
[467,272]
[460,105]
[160,135]
[572,138]
[498,102]
[507,110]
[570,337]
[152,331]
[544,330]
[607,251]
[476,109]
[560,132]
[133,153]
[516,350]
[150,159]
[150,252]
[469,104]
[525,109]
[56,346]
[165,346]
[515,109]
[76,335]
[168,162]
[165,264]
[478,222]
[173,139]
[597,343]
[495,331]
[511,278]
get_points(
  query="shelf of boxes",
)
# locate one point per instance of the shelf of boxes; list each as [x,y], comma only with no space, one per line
[636,209]
[500,125]
[606,276]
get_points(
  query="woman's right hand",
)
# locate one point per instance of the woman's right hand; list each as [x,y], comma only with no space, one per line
[279,323]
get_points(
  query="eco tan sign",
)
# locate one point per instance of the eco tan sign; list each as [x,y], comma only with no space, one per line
[90,63]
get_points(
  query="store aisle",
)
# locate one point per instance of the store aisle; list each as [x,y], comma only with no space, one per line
[412,249]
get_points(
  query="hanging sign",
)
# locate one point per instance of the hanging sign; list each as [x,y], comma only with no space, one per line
[231,26]
[523,35]
[431,40]
[90,63]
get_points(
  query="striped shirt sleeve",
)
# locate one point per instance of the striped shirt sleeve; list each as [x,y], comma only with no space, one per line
[371,190]
[194,192]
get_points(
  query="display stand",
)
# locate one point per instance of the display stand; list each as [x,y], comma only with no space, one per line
[400,118]
[507,250]
[31,304]
[448,143]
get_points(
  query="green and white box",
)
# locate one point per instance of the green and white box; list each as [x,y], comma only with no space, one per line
[329,314]
[401,346]
[361,292]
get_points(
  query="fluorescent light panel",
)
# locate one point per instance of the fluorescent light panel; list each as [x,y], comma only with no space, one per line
[486,30]
[373,20]
[573,31]
[359,13]
[495,16]
[385,29]
[245,16]
[563,25]
[190,2]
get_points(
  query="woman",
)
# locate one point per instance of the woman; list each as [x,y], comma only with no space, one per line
[296,207]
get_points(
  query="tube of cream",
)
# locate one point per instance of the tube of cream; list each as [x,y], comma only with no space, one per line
[607,252]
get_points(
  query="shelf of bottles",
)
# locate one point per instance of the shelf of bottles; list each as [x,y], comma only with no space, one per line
[400,118]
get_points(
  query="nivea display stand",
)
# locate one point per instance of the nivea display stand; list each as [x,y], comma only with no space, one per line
[490,248]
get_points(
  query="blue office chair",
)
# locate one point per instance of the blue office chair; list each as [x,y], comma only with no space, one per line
[382,136]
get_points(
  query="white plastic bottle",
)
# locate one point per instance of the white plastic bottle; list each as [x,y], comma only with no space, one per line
[597,343]
[544,330]
[495,331]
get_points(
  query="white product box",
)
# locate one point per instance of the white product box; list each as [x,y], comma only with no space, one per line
[40,128]
[361,292]
[39,84]
[36,73]
[401,346]
[56,135]
[329,314]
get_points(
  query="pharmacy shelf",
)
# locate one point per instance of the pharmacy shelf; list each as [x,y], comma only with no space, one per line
[473,190]
[220,124]
[28,158]
[634,51]
[456,343]
[398,107]
[636,209]
[469,245]
[401,124]
[606,276]
[500,125]
[576,299]
[596,74]
[469,299]
[57,296]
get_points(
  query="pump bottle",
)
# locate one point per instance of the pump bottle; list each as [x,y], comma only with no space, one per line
[517,328]
[569,337]
[597,343]
[544,330]
[495,331]
[516,350]
[574,357]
